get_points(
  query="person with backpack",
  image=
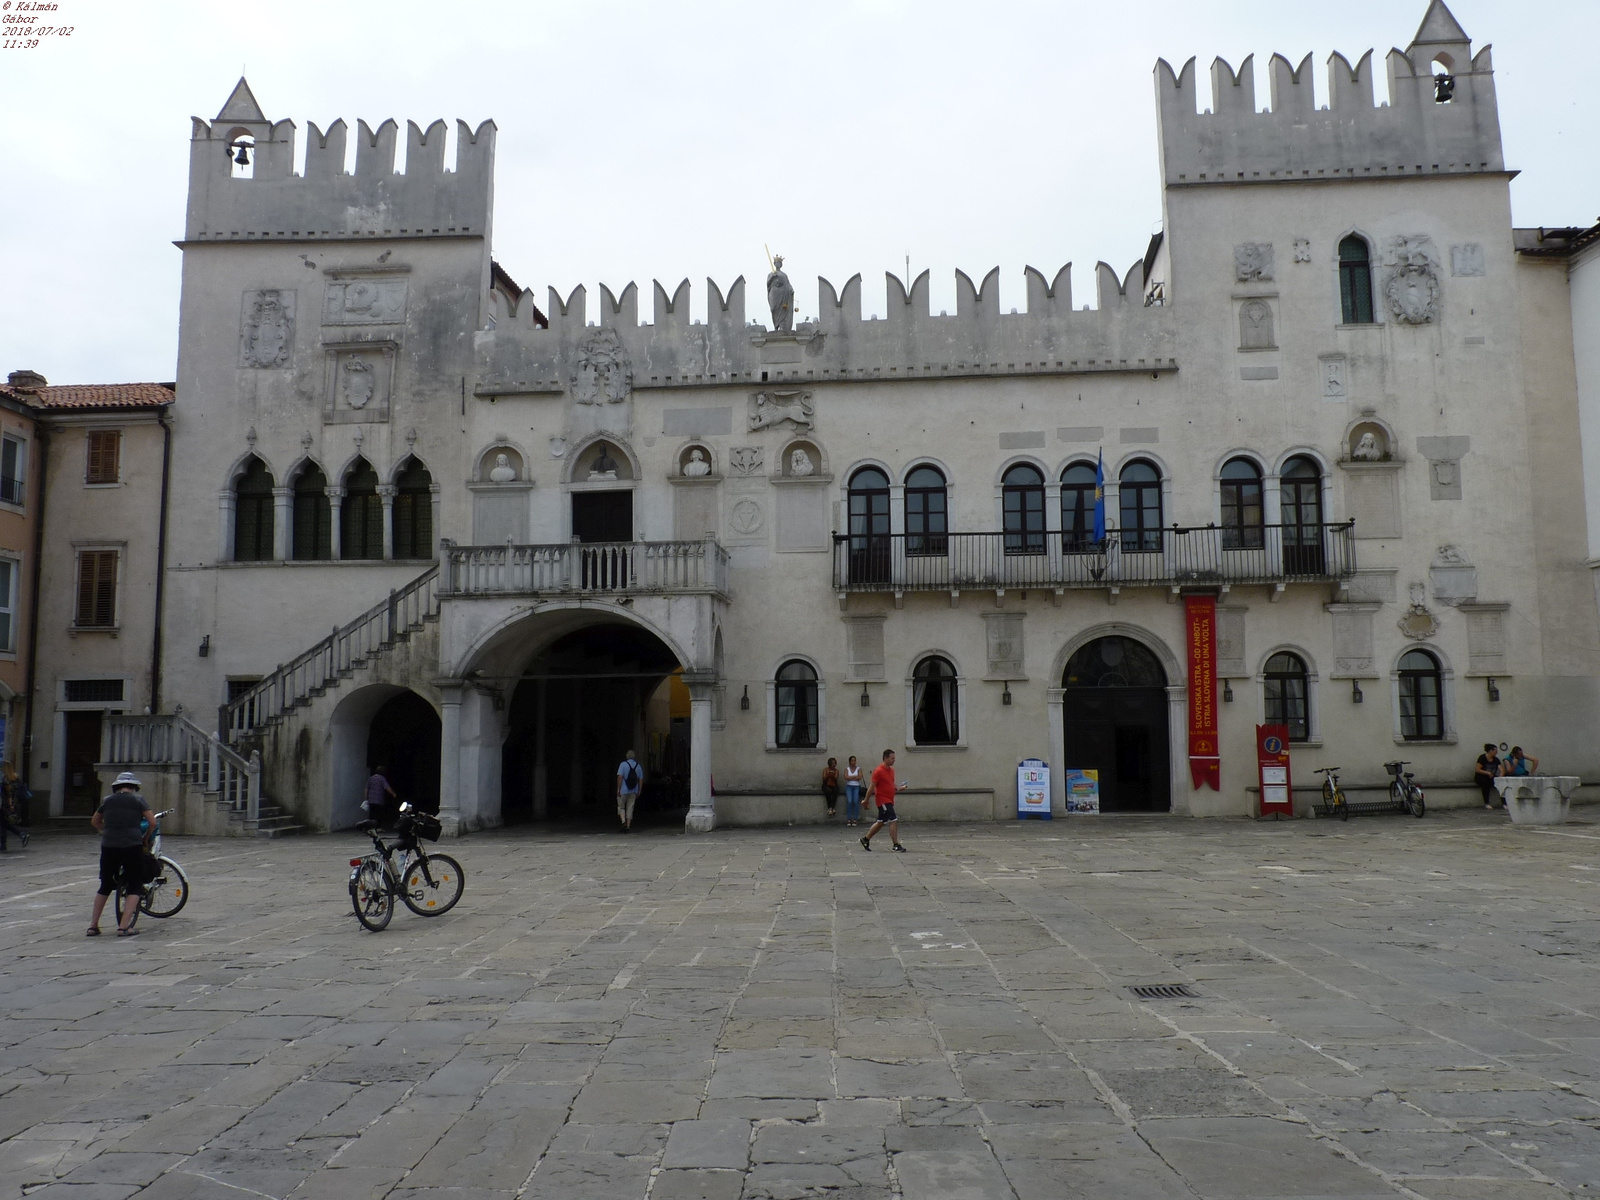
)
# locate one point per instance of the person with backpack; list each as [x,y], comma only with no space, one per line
[121,820]
[630,777]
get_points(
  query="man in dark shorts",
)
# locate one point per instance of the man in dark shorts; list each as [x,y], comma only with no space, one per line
[882,785]
[121,849]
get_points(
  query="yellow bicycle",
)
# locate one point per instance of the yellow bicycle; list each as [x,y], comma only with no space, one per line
[1333,798]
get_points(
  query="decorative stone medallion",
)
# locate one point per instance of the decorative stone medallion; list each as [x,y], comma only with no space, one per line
[745,460]
[1252,262]
[746,517]
[1412,289]
[365,302]
[266,336]
[603,374]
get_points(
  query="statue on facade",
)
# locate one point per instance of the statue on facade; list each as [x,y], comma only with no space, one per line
[697,467]
[780,297]
[502,471]
[800,463]
[1367,448]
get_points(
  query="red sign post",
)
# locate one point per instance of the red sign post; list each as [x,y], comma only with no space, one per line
[1272,767]
[1205,764]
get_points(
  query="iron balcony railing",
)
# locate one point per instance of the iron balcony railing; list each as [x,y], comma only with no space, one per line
[1172,557]
[569,568]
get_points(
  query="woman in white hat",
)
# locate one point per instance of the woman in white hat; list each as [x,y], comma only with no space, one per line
[119,820]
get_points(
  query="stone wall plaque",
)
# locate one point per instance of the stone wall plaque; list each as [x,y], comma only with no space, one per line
[1022,441]
[694,509]
[1252,262]
[1412,287]
[1255,326]
[745,460]
[1231,656]
[1444,455]
[1372,498]
[1352,640]
[1466,259]
[801,517]
[359,380]
[864,645]
[1452,578]
[266,333]
[1334,386]
[365,302]
[1486,638]
[499,512]
[1003,645]
[696,422]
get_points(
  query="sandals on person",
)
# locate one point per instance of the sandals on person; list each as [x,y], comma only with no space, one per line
[92,931]
[128,932]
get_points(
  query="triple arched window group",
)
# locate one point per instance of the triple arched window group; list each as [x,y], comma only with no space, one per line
[1136,520]
[361,509]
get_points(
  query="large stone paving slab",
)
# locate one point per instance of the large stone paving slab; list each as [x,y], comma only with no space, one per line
[1382,1008]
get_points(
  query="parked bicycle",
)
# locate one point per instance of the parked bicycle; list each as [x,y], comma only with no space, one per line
[428,884]
[1333,798]
[167,891]
[1403,789]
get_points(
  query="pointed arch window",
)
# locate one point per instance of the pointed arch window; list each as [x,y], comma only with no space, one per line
[313,517]
[1139,487]
[1243,525]
[413,512]
[361,514]
[935,703]
[1077,508]
[252,513]
[927,512]
[1355,280]
[1022,501]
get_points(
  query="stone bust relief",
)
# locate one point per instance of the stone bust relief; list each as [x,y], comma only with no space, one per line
[502,471]
[800,463]
[697,467]
[1367,448]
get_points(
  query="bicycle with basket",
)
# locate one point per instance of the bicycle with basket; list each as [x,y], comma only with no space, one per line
[1405,795]
[428,884]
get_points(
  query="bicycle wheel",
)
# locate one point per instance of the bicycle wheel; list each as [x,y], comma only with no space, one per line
[370,895]
[118,898]
[439,897]
[1415,802]
[168,892]
[1344,805]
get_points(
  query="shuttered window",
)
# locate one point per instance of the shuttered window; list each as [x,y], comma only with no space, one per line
[105,456]
[97,589]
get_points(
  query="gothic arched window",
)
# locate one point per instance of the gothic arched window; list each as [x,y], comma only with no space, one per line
[313,517]
[1355,280]
[413,512]
[361,514]
[252,513]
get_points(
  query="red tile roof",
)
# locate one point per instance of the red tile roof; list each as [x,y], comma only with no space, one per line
[94,395]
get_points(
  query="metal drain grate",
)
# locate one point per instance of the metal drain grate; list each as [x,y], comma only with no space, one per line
[1163,991]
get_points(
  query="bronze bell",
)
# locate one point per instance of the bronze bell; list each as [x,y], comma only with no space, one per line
[243,157]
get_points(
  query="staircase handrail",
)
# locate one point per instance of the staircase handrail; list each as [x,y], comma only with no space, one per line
[347,646]
[172,741]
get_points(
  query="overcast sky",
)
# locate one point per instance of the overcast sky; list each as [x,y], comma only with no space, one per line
[672,138]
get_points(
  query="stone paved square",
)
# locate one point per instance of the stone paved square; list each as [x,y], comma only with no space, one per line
[1384,1007]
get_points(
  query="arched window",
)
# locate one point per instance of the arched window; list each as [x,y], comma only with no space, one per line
[313,517]
[361,514]
[1300,494]
[1421,697]
[252,513]
[1140,488]
[1284,685]
[796,695]
[927,512]
[1077,507]
[935,705]
[1114,662]
[869,526]
[1243,525]
[413,512]
[1355,281]
[1022,501]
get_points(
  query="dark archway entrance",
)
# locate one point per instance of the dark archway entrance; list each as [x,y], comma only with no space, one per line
[1114,714]
[577,708]
[404,737]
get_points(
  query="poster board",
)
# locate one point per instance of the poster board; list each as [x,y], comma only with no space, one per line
[1033,789]
[1272,768]
[1083,791]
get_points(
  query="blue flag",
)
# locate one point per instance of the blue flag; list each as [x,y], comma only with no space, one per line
[1100,498]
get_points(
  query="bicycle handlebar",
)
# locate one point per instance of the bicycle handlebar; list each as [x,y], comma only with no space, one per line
[1327,770]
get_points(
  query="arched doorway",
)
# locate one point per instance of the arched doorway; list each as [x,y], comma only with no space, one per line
[404,739]
[575,710]
[1114,718]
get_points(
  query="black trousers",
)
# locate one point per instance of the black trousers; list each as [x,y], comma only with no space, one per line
[119,863]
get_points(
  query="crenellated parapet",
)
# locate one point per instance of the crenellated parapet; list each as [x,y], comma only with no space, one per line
[327,202]
[1426,128]
[909,343]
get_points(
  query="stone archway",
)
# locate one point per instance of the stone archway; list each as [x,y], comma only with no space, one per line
[382,719]
[1115,722]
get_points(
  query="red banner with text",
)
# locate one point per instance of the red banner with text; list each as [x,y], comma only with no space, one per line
[1205,765]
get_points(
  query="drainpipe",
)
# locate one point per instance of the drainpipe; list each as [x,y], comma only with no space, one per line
[161,561]
[42,437]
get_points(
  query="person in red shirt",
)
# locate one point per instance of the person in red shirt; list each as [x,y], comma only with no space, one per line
[883,789]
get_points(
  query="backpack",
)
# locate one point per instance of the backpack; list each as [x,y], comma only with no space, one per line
[630,776]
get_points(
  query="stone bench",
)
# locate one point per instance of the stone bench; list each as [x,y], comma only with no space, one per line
[780,806]
[1537,799]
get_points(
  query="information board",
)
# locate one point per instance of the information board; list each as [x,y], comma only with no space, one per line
[1033,788]
[1083,791]
[1272,765]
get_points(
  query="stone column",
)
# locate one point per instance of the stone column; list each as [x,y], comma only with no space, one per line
[541,768]
[336,521]
[386,494]
[702,806]
[1056,754]
[450,758]
[282,511]
[225,526]
[435,504]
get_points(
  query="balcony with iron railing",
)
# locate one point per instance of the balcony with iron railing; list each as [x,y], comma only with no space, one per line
[1172,557]
[585,569]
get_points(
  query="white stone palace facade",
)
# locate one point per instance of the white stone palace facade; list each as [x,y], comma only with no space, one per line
[417,519]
